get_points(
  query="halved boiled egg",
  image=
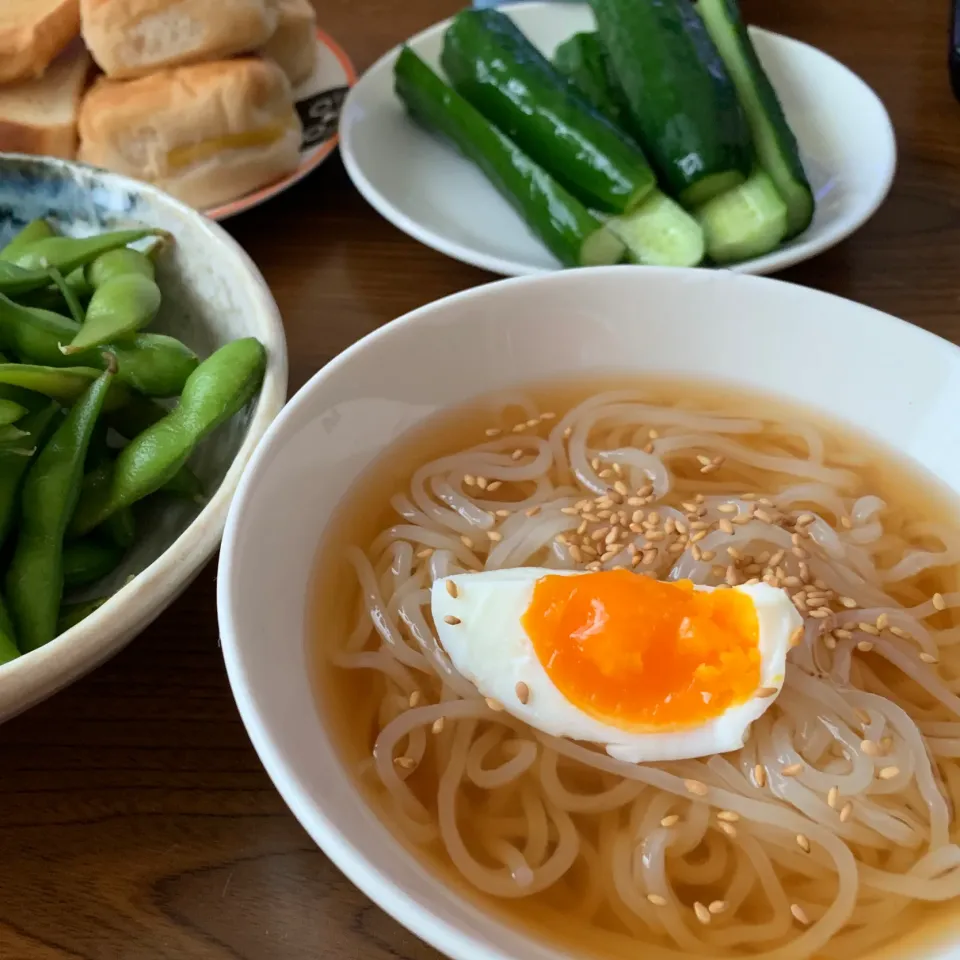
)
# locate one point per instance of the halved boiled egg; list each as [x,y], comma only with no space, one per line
[654,670]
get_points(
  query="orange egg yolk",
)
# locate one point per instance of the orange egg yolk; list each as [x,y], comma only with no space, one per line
[635,652]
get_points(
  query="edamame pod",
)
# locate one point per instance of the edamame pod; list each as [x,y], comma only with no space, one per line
[89,560]
[73,613]
[185,485]
[119,263]
[35,230]
[215,391]
[36,427]
[153,364]
[120,306]
[133,418]
[136,416]
[8,640]
[68,253]
[11,435]
[15,281]
[65,384]
[50,492]
[120,528]
[10,412]
[69,296]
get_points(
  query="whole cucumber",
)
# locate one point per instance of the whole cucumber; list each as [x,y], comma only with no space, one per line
[496,68]
[682,105]
[574,236]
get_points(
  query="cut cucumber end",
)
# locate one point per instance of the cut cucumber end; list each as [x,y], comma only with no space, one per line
[602,249]
[639,197]
[800,208]
[745,222]
[709,187]
[660,233]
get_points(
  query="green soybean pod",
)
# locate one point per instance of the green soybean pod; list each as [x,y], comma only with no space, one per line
[122,262]
[13,466]
[8,638]
[35,230]
[215,391]
[151,363]
[69,253]
[65,384]
[120,306]
[120,528]
[50,493]
[73,613]
[69,296]
[185,485]
[88,560]
[16,281]
[10,412]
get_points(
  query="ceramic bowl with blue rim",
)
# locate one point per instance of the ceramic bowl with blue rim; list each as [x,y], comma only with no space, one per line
[212,293]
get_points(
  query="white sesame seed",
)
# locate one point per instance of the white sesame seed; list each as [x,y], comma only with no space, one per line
[657,900]
[938,602]
[670,820]
[696,787]
[703,914]
[798,914]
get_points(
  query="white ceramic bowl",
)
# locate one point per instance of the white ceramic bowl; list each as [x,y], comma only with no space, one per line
[213,293]
[880,375]
[426,189]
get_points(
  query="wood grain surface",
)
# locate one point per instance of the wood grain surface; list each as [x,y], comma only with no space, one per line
[135,820]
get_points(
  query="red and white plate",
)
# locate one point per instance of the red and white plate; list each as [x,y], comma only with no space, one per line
[319,101]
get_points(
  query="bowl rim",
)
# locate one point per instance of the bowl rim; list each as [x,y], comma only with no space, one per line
[779,259]
[37,675]
[454,941]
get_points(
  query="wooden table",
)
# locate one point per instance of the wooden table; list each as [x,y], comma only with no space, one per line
[135,820]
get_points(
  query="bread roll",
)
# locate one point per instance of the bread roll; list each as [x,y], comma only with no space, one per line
[206,134]
[294,43]
[33,33]
[132,38]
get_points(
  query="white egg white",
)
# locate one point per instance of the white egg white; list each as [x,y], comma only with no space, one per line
[490,648]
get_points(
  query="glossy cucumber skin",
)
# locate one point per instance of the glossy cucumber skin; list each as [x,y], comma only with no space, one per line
[557,218]
[683,106]
[497,69]
[776,145]
[583,61]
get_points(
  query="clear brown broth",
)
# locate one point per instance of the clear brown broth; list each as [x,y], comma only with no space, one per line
[348,700]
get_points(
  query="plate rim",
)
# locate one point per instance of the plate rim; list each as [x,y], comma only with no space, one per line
[758,266]
[251,200]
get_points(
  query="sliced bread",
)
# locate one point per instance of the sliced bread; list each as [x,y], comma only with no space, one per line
[33,33]
[40,116]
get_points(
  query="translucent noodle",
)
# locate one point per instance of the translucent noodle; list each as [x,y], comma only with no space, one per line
[835,819]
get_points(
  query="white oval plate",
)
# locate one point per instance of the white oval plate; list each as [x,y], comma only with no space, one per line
[319,102]
[425,188]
